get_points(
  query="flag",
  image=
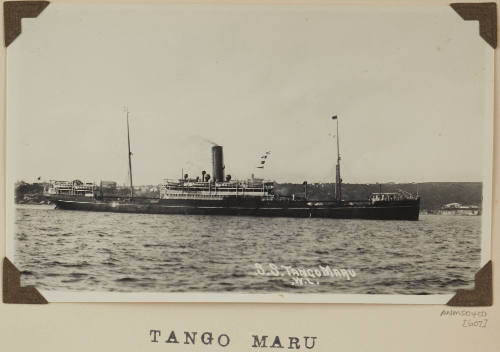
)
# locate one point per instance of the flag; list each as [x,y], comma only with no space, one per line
[334,117]
[263,159]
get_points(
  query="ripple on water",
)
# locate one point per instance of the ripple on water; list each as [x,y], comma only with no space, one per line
[127,279]
[122,252]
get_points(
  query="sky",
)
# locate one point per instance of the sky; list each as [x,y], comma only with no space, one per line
[410,86]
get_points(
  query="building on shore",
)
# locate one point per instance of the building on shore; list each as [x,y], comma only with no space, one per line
[459,209]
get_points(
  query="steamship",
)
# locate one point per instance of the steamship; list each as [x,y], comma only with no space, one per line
[220,195]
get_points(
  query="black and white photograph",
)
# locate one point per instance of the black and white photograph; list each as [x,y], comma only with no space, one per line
[249,153]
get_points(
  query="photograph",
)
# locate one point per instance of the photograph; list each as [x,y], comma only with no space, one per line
[249,153]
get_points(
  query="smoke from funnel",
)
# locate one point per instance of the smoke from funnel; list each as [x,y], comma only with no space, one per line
[203,139]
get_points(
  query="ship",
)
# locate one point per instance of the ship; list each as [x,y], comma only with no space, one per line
[219,194]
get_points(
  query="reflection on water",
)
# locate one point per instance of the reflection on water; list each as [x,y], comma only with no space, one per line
[69,250]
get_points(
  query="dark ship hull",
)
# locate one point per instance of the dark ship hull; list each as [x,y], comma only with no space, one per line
[398,210]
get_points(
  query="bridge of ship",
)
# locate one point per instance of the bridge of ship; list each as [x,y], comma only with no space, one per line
[214,190]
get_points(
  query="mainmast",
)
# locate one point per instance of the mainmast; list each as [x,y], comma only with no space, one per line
[338,179]
[129,160]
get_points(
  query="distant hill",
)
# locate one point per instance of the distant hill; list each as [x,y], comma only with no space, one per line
[29,192]
[433,194]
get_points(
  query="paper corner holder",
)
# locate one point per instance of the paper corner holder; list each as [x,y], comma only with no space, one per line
[14,11]
[482,293]
[485,13]
[12,290]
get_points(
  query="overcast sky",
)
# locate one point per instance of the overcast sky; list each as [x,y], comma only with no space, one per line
[410,86]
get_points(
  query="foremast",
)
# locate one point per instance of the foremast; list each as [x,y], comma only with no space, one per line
[338,179]
[129,160]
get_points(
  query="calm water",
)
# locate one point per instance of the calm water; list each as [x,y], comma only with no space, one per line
[70,250]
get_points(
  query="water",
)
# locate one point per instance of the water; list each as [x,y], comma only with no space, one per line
[71,250]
